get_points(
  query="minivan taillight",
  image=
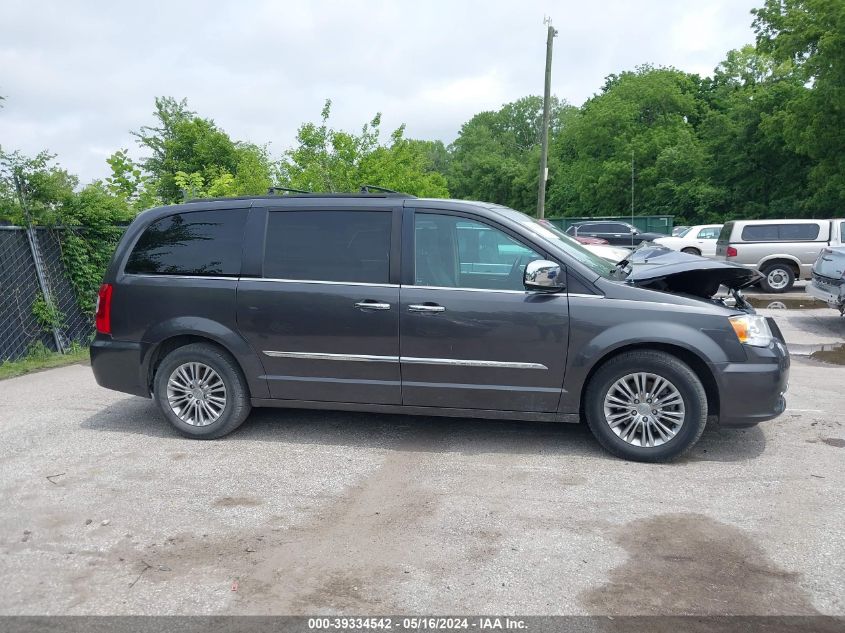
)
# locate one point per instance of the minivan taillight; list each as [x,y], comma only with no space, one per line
[731,252]
[102,320]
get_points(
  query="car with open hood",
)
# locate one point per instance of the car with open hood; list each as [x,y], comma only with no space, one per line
[384,302]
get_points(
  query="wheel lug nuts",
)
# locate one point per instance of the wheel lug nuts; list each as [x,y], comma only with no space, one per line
[645,419]
[636,401]
[649,400]
[654,411]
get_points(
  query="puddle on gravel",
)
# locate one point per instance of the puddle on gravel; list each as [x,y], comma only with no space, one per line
[831,353]
[834,354]
[787,303]
[693,565]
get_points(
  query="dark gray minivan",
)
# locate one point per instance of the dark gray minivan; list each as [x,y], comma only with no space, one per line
[389,303]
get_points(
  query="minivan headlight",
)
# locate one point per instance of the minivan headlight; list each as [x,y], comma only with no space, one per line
[752,329]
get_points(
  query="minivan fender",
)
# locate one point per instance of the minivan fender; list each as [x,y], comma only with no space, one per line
[192,327]
[706,346]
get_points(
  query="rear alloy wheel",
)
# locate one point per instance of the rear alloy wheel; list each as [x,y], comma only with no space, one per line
[196,394]
[777,278]
[646,406]
[201,391]
[689,250]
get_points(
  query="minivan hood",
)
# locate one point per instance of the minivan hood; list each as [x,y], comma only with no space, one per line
[660,268]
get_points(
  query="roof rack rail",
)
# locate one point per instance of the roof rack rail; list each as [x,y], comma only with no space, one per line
[273,190]
[374,188]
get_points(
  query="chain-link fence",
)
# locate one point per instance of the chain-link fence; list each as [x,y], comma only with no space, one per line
[22,325]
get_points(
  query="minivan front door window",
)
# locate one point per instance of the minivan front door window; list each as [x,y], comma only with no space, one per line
[454,252]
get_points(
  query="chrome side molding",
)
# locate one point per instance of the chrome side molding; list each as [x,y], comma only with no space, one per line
[361,358]
[411,360]
[460,362]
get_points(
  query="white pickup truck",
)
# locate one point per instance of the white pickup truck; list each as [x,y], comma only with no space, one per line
[781,250]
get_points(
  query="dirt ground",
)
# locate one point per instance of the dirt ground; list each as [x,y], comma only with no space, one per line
[107,511]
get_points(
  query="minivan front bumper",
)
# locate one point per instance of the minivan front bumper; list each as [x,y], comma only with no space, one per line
[115,365]
[753,391]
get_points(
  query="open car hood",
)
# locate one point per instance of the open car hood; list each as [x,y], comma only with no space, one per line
[664,269]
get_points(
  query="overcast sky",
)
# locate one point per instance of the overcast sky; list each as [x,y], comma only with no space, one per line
[78,76]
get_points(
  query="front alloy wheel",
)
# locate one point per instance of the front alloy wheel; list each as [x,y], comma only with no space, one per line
[646,405]
[644,409]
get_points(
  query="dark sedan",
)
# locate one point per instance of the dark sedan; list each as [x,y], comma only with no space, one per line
[616,233]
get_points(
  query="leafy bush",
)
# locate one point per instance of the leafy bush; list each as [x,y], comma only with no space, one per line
[47,313]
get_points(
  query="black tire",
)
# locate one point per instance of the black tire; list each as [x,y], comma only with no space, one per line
[661,364]
[689,250]
[237,405]
[778,271]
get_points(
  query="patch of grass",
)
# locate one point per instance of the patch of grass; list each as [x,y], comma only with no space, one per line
[40,358]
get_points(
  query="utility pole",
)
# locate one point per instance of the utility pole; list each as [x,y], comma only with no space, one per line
[544,134]
[632,186]
[632,193]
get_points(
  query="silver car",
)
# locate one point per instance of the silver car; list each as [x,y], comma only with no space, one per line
[828,283]
[781,250]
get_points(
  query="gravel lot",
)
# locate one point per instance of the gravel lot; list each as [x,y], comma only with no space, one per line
[106,511]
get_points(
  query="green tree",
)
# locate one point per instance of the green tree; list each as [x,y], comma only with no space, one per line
[326,159]
[810,34]
[648,116]
[43,185]
[760,175]
[182,142]
[496,156]
[128,181]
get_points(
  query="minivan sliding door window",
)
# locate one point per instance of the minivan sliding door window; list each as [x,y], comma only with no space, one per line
[339,246]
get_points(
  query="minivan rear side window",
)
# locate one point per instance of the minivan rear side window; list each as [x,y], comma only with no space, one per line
[196,243]
[344,246]
[780,232]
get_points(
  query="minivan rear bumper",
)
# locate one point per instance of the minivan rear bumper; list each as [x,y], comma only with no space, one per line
[115,365]
[753,391]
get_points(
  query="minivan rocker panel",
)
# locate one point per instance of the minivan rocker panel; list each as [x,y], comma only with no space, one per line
[389,303]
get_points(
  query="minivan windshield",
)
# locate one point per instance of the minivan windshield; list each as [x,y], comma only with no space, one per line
[572,247]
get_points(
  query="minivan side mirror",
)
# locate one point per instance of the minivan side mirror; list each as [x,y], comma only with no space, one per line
[543,276]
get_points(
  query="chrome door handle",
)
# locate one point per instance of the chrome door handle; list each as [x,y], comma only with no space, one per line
[372,305]
[418,307]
